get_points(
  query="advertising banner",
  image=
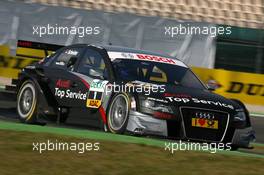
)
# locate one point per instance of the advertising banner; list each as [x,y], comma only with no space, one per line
[247,87]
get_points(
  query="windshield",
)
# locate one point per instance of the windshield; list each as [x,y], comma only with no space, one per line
[154,72]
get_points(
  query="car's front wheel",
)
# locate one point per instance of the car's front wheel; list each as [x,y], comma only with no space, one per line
[118,114]
[27,102]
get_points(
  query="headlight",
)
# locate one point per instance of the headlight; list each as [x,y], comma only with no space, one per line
[156,106]
[240,116]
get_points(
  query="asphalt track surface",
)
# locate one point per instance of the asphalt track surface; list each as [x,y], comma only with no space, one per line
[8,113]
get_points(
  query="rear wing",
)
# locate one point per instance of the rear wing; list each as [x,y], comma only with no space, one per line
[35,50]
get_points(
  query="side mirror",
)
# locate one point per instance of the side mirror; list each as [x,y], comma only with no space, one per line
[71,61]
[210,87]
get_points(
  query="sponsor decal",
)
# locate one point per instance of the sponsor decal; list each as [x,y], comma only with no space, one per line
[98,85]
[177,95]
[204,120]
[204,123]
[94,99]
[63,83]
[145,57]
[155,58]
[95,96]
[248,89]
[72,52]
[93,103]
[61,93]
[178,99]
[198,101]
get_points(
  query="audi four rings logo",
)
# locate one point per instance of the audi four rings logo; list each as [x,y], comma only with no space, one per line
[204,115]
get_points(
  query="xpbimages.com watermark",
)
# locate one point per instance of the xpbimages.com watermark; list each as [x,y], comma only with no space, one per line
[79,147]
[145,88]
[79,31]
[187,29]
[191,146]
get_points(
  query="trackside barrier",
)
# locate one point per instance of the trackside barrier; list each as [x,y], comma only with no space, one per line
[10,66]
[27,52]
[247,87]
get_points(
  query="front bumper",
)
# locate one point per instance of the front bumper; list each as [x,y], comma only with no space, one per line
[243,137]
[139,123]
[144,124]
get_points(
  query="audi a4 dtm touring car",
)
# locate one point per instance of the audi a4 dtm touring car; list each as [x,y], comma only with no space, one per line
[122,90]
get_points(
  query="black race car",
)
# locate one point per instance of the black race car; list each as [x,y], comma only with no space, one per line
[127,90]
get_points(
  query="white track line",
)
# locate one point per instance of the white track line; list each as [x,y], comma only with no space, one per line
[256,115]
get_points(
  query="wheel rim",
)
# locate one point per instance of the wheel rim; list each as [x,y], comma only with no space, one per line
[119,112]
[26,100]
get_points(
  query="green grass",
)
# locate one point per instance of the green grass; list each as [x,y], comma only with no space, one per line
[258,114]
[80,133]
[113,158]
[87,134]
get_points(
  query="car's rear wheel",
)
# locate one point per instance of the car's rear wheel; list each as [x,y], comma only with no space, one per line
[118,113]
[27,102]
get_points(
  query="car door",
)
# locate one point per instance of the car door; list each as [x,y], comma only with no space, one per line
[92,70]
[67,88]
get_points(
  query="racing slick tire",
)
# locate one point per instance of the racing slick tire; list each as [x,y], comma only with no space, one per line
[27,100]
[118,113]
